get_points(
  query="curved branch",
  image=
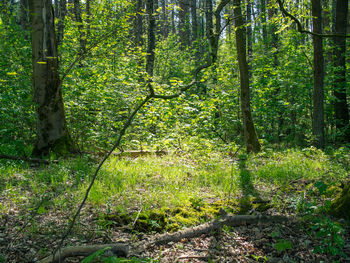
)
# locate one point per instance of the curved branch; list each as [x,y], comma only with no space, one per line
[300,26]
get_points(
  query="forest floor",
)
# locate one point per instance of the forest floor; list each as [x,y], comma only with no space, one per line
[37,201]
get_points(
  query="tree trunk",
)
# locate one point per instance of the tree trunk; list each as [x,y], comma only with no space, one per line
[249,37]
[263,21]
[138,25]
[24,14]
[78,18]
[165,26]
[194,20]
[183,22]
[340,104]
[52,134]
[62,10]
[250,136]
[151,39]
[318,92]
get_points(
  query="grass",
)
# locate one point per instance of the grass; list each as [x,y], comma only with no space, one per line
[151,183]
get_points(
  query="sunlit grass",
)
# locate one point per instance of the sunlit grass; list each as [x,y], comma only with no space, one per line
[153,182]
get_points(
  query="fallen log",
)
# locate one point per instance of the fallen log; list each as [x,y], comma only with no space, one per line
[26,159]
[125,250]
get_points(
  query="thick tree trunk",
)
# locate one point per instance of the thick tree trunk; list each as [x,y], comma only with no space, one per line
[52,134]
[250,136]
[340,104]
[318,92]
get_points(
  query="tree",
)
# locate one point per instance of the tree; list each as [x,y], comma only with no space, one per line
[340,103]
[184,30]
[250,136]
[318,92]
[52,133]
[61,14]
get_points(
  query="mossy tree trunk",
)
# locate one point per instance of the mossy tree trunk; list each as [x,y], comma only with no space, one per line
[52,134]
[341,205]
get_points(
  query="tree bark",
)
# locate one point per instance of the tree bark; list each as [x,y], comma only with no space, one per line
[52,133]
[340,104]
[318,92]
[250,136]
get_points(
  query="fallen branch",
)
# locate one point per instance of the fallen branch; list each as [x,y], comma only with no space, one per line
[118,249]
[125,250]
[26,159]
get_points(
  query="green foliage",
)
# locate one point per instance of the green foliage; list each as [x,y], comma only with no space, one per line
[99,255]
[330,234]
[282,245]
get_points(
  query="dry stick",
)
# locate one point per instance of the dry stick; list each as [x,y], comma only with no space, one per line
[300,26]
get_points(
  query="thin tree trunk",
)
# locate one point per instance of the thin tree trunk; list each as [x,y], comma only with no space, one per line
[183,22]
[250,136]
[165,27]
[263,21]
[194,20]
[151,39]
[24,14]
[52,133]
[88,19]
[249,37]
[318,92]
[78,18]
[62,10]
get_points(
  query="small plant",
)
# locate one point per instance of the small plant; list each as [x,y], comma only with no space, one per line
[283,245]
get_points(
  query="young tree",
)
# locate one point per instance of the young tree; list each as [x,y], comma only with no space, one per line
[250,136]
[52,133]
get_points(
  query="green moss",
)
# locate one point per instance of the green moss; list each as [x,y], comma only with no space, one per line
[341,205]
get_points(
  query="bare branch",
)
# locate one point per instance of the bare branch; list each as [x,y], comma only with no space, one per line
[300,27]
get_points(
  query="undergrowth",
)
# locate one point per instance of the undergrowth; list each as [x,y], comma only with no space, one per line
[152,194]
